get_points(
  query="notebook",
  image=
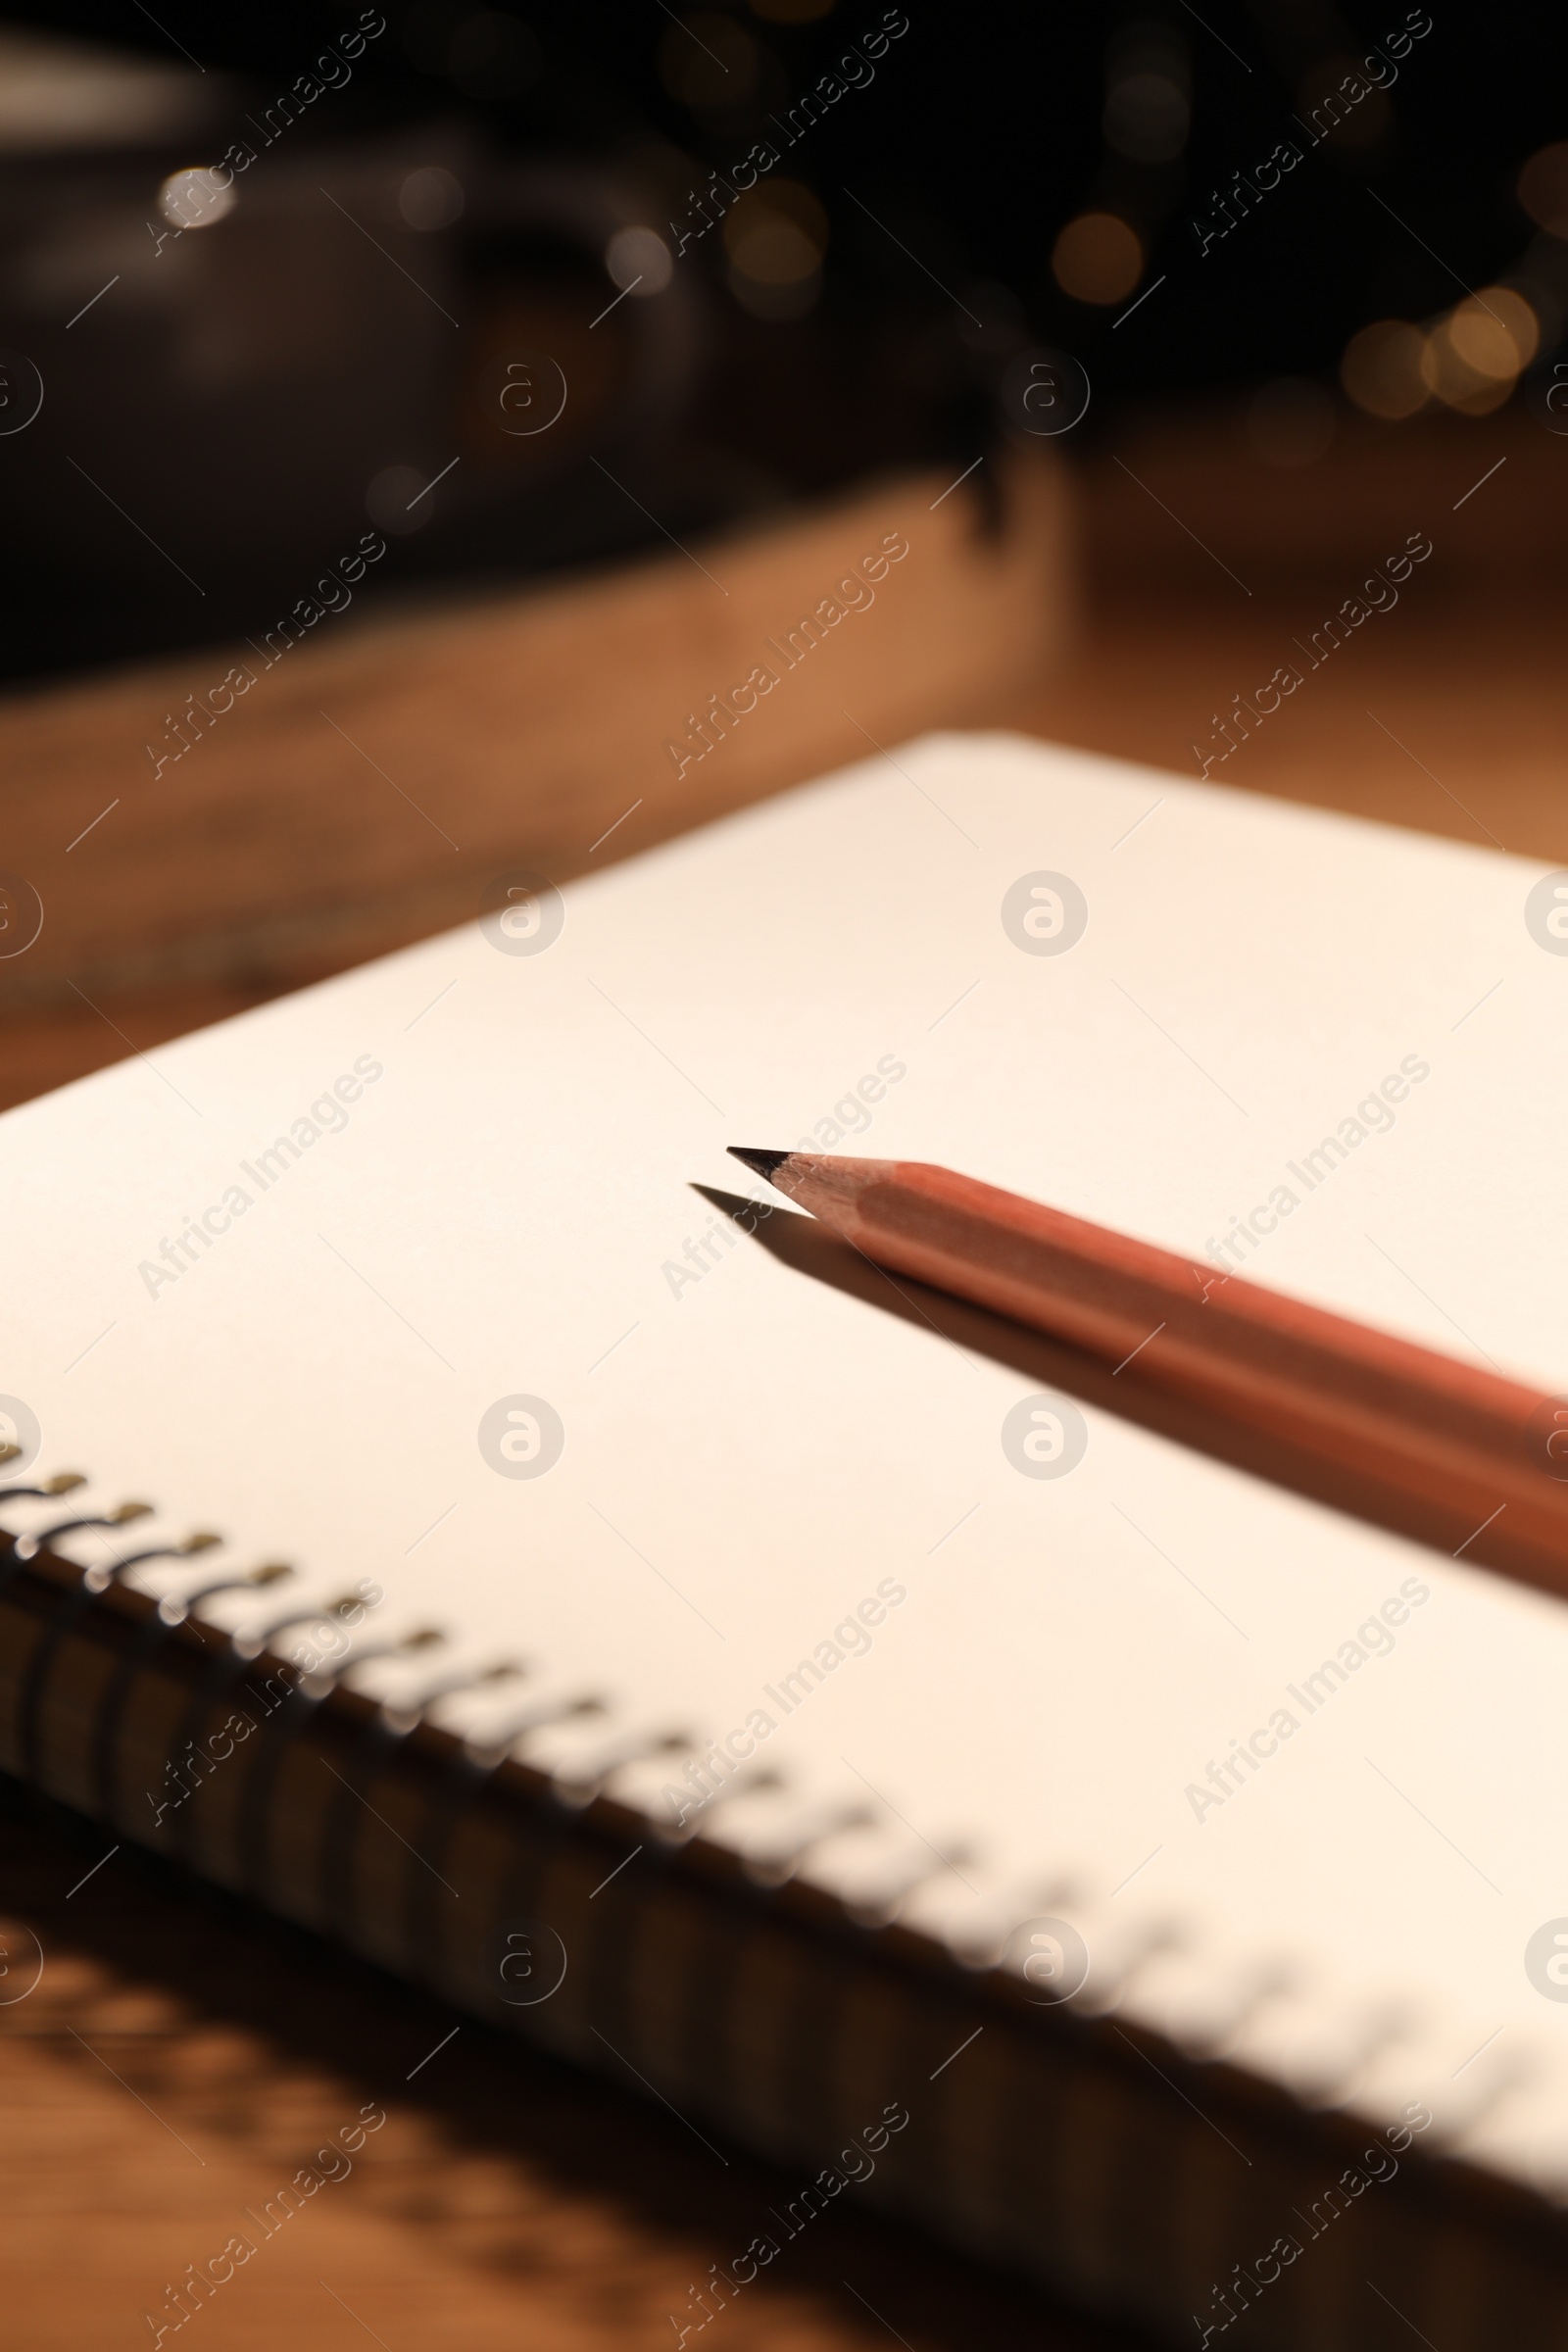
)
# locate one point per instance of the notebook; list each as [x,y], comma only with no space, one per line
[754,1685]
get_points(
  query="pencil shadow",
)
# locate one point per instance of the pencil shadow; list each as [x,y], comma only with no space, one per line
[815,1251]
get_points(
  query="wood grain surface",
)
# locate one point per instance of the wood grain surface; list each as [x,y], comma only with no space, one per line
[181,2058]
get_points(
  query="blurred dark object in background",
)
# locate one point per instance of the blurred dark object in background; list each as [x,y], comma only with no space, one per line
[248,362]
[510,288]
[264,319]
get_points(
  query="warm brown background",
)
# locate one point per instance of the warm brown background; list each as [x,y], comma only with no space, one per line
[180,2059]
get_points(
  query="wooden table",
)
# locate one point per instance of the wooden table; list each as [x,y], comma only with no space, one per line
[181,2058]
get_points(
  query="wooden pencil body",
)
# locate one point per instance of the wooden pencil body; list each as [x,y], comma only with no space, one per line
[1380,1406]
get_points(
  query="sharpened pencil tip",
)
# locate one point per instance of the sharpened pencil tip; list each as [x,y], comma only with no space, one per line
[761,1164]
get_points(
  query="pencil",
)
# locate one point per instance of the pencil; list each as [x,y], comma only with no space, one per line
[1407,1419]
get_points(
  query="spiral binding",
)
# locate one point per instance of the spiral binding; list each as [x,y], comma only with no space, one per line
[576,1783]
[975,1937]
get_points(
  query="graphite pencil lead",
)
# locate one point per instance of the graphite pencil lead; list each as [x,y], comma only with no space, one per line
[761,1164]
